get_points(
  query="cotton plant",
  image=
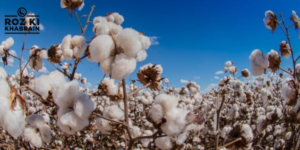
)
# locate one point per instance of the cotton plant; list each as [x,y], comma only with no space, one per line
[36,56]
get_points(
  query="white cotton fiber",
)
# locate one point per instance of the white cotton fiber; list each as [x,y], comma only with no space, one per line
[145,42]
[37,141]
[73,121]
[78,44]
[83,106]
[112,88]
[101,48]
[106,65]
[118,19]
[65,128]
[156,112]
[128,41]
[1,50]
[29,133]
[259,62]
[114,28]
[57,78]
[103,125]
[9,42]
[164,143]
[68,54]
[99,20]
[42,86]
[4,107]
[35,120]
[101,29]
[122,66]
[4,88]
[113,112]
[14,122]
[141,56]
[176,122]
[46,133]
[43,54]
[168,102]
[65,95]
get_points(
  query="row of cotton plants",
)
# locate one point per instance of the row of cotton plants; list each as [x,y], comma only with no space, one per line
[53,111]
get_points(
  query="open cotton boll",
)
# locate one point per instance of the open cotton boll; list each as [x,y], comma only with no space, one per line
[110,18]
[101,48]
[176,122]
[14,122]
[103,125]
[37,141]
[66,47]
[101,28]
[99,20]
[57,78]
[83,106]
[118,19]
[43,54]
[247,132]
[36,64]
[122,66]
[164,143]
[259,62]
[113,112]
[73,121]
[287,91]
[145,42]
[128,41]
[135,131]
[114,28]
[9,42]
[156,112]
[112,88]
[1,50]
[168,102]
[46,133]
[78,42]
[4,107]
[141,56]
[42,86]
[4,88]
[35,120]
[65,95]
[106,65]
[145,142]
[29,133]
[180,139]
[65,128]
[3,73]
[68,54]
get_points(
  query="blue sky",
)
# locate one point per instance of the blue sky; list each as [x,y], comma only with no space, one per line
[195,37]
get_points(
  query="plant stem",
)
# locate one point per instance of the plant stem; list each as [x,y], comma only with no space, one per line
[218,120]
[78,20]
[20,60]
[126,112]
[88,20]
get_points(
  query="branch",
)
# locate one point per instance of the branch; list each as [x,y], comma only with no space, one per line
[126,112]
[58,69]
[78,20]
[297,58]
[230,143]
[218,120]
[98,115]
[88,20]
[20,59]
[285,71]
[45,102]
[137,90]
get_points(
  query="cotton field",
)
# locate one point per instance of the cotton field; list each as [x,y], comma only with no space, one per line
[53,111]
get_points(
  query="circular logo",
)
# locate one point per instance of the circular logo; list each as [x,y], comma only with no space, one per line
[22,12]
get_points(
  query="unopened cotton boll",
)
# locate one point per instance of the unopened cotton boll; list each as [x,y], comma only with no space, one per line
[122,66]
[128,41]
[83,106]
[164,143]
[258,62]
[101,48]
[78,42]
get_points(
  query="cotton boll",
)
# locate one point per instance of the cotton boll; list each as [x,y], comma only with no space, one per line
[78,42]
[4,88]
[43,54]
[287,91]
[37,141]
[65,128]
[106,65]
[168,102]
[247,132]
[104,126]
[3,73]
[35,120]
[164,143]
[112,88]
[225,131]
[83,106]
[57,78]
[113,112]
[45,116]
[145,42]
[46,133]
[176,121]
[65,95]
[122,66]
[1,50]
[118,19]
[9,42]
[99,20]
[42,86]
[14,122]
[128,41]
[4,107]
[135,131]
[141,56]
[110,18]
[145,142]
[73,121]
[114,28]
[68,54]
[101,29]
[156,112]
[258,62]
[180,139]
[101,48]
[29,133]
[66,47]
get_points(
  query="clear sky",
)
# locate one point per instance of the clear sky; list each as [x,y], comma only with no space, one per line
[195,37]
